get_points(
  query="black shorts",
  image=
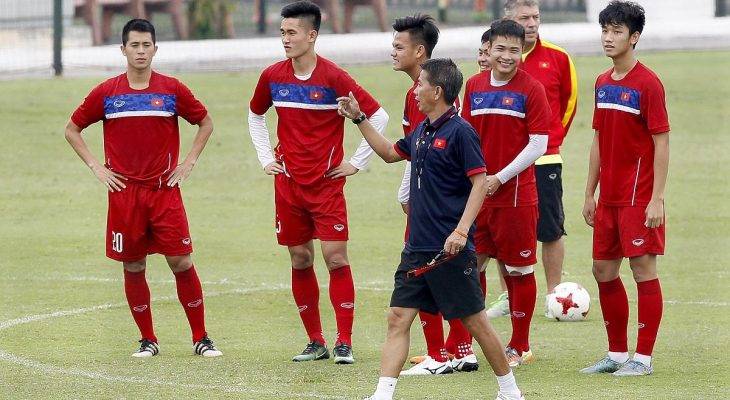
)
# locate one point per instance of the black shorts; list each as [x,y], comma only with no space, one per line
[550,202]
[451,288]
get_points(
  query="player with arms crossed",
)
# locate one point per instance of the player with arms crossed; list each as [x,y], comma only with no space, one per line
[413,43]
[449,185]
[309,171]
[509,110]
[140,111]
[629,160]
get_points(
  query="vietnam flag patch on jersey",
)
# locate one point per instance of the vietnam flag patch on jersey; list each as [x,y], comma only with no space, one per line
[439,143]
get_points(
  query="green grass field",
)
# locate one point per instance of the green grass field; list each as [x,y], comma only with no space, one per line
[66,332]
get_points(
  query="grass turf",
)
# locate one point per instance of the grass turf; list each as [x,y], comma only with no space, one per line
[52,213]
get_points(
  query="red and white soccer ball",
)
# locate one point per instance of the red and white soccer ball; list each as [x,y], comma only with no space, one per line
[570,302]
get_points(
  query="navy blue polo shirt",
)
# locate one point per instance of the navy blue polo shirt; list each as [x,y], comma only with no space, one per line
[443,155]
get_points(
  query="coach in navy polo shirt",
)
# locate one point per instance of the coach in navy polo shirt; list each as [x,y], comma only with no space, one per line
[448,185]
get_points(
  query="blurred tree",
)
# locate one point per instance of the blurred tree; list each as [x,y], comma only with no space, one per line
[210,19]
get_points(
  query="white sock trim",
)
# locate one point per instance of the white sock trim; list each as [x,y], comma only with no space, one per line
[642,358]
[619,357]
[508,384]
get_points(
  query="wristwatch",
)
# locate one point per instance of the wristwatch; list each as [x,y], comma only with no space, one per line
[359,119]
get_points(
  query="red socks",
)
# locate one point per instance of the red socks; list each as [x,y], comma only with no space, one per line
[650,315]
[522,290]
[190,294]
[305,289]
[615,309]
[459,341]
[433,331]
[342,296]
[138,298]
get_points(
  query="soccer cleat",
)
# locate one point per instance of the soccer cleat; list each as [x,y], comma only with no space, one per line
[343,354]
[606,365]
[313,351]
[515,359]
[467,363]
[205,347]
[499,307]
[429,366]
[634,368]
[504,396]
[147,348]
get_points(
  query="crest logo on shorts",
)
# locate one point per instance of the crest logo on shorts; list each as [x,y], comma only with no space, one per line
[118,103]
[301,308]
[186,241]
[347,305]
[552,176]
[283,92]
[195,303]
[467,271]
[339,227]
[525,253]
[641,325]
[637,242]
[478,100]
[423,323]
[140,308]
[518,314]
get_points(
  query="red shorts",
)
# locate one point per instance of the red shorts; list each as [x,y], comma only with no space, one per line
[508,234]
[620,232]
[307,212]
[143,220]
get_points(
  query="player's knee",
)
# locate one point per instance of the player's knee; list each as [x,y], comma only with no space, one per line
[135,266]
[643,273]
[397,320]
[179,263]
[519,271]
[336,261]
[301,258]
[603,272]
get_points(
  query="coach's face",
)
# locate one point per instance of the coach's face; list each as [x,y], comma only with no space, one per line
[139,50]
[297,36]
[405,53]
[529,18]
[505,54]
[427,95]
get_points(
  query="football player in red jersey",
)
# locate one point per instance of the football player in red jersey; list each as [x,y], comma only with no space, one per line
[629,160]
[309,171]
[140,111]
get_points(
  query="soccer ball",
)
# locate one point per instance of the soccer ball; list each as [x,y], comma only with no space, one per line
[570,302]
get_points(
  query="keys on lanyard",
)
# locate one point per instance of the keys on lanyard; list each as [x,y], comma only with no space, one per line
[425,139]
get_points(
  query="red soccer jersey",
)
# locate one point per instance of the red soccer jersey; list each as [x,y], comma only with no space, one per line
[412,116]
[141,135]
[627,113]
[505,117]
[552,66]
[309,130]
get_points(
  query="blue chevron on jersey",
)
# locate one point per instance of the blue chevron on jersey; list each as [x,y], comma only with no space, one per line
[292,95]
[619,98]
[139,105]
[498,102]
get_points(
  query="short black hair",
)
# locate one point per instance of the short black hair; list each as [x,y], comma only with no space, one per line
[623,13]
[422,29]
[506,28]
[486,35]
[443,72]
[304,9]
[137,25]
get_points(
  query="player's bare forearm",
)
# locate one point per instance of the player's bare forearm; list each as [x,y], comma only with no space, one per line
[594,167]
[379,143]
[661,165]
[205,129]
[74,138]
[474,202]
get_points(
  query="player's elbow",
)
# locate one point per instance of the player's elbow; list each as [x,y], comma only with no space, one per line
[72,132]
[207,123]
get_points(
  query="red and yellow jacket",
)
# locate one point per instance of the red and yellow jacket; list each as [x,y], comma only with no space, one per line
[552,66]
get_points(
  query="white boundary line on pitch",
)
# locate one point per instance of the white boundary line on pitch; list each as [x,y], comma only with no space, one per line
[48,368]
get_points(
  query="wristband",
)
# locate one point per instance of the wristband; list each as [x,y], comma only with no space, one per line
[358,120]
[460,233]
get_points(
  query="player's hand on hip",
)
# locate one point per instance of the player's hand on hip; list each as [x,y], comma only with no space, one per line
[492,183]
[348,107]
[274,168]
[110,179]
[589,210]
[455,243]
[654,214]
[342,170]
[180,173]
